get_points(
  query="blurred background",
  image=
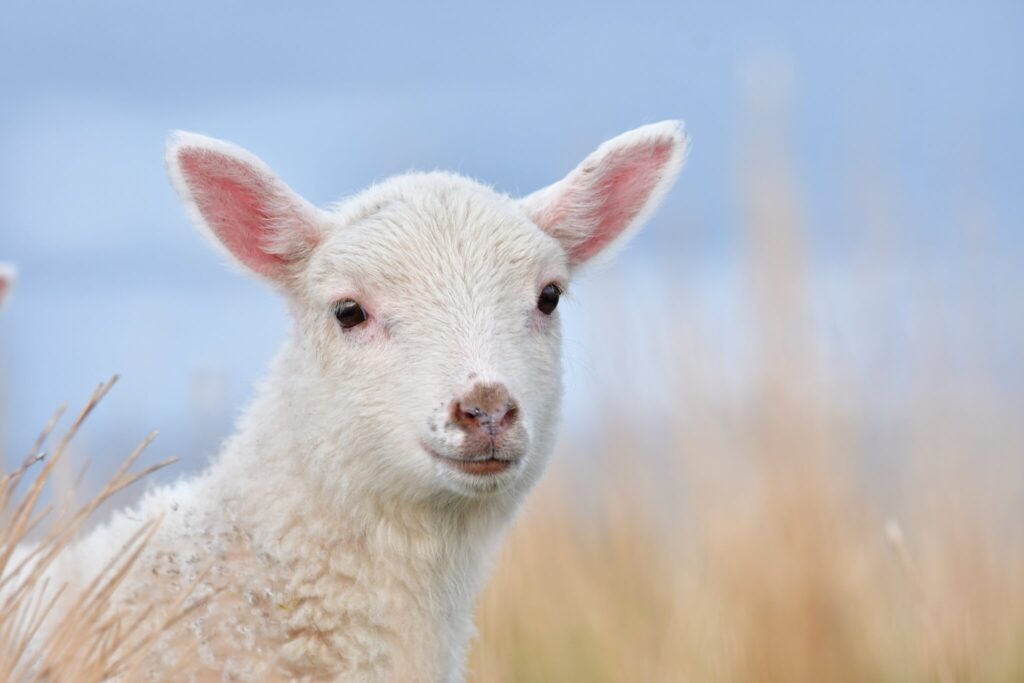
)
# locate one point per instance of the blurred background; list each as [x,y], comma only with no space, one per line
[812,463]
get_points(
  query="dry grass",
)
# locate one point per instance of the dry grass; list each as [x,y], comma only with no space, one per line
[791,573]
[90,642]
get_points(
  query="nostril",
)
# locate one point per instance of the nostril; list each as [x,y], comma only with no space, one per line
[472,413]
[511,413]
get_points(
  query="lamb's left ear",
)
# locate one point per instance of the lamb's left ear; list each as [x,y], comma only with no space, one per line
[235,198]
[605,199]
[7,276]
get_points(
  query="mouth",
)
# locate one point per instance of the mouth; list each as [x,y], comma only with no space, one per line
[482,465]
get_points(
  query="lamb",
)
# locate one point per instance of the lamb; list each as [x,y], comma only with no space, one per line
[351,521]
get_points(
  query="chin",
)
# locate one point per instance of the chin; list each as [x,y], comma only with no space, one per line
[488,485]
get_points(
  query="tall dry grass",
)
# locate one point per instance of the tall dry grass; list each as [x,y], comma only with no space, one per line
[90,641]
[752,553]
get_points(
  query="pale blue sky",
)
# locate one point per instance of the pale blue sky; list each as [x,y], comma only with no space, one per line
[335,96]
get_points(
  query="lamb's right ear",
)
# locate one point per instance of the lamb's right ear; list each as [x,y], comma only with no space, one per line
[7,277]
[605,199]
[234,197]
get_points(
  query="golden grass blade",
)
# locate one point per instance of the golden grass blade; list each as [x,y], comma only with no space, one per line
[90,642]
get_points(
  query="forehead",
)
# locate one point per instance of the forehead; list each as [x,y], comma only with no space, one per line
[435,233]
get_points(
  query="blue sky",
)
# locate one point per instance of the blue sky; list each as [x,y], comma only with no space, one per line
[923,100]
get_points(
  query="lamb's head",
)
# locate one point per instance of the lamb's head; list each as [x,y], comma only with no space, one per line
[425,306]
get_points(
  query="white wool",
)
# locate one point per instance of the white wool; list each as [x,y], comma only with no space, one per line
[340,547]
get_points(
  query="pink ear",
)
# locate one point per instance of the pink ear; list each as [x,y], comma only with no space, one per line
[7,276]
[238,199]
[612,192]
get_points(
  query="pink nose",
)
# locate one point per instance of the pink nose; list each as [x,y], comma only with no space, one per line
[487,410]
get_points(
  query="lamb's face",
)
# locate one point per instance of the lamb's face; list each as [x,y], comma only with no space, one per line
[426,307]
[433,303]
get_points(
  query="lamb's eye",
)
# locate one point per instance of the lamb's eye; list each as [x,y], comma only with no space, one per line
[548,299]
[349,313]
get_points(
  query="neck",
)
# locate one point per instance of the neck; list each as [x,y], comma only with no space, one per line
[409,570]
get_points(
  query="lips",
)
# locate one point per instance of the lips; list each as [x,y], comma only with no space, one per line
[476,466]
[480,467]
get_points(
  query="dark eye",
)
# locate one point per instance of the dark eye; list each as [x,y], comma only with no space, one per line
[349,313]
[548,299]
